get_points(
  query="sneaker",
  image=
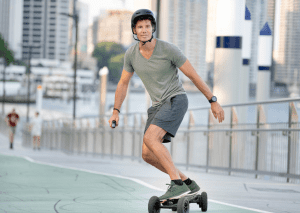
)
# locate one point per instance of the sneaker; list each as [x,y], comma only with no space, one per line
[175,192]
[194,188]
[11,146]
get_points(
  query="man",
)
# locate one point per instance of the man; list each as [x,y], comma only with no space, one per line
[12,120]
[156,62]
[36,130]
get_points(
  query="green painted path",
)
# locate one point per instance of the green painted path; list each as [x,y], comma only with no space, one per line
[38,188]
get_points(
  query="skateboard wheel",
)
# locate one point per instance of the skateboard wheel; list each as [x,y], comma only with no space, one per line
[183,205]
[203,203]
[154,205]
[174,209]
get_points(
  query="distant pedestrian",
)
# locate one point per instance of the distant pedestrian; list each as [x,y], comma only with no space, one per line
[12,120]
[36,130]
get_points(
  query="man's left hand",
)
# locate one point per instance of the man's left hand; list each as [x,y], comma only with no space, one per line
[217,111]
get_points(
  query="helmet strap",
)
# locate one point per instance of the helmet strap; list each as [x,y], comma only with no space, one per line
[144,42]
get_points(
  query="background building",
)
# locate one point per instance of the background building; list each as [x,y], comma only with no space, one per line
[183,23]
[11,17]
[83,25]
[287,54]
[114,26]
[44,26]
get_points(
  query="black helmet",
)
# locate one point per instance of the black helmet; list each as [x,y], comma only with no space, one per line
[143,12]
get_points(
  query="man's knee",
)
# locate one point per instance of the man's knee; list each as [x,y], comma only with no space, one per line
[154,133]
[145,153]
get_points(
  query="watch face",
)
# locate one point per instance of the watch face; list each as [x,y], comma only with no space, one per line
[214,99]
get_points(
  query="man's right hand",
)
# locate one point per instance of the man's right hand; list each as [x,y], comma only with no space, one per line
[114,117]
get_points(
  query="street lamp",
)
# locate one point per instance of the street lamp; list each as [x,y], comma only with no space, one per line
[28,77]
[75,17]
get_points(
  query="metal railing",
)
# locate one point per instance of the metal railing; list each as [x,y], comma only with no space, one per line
[3,125]
[261,149]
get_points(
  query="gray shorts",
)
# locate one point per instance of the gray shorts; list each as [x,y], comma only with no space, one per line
[13,129]
[169,115]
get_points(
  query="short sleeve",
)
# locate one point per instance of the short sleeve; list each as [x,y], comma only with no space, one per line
[127,62]
[177,56]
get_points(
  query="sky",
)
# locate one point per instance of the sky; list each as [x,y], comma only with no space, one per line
[96,5]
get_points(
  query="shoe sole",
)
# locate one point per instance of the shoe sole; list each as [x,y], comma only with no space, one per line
[176,197]
[193,193]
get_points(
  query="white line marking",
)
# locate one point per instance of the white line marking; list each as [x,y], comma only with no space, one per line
[128,178]
[241,207]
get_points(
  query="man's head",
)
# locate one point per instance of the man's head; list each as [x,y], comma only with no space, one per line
[37,114]
[143,24]
[143,29]
[13,110]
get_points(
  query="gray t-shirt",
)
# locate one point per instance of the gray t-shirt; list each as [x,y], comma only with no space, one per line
[159,73]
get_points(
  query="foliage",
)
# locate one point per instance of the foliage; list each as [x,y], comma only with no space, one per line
[19,62]
[5,52]
[115,65]
[104,51]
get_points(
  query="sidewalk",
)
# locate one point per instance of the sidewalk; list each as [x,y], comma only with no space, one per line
[247,193]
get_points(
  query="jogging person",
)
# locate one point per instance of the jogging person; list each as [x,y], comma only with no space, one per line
[36,130]
[12,121]
[156,62]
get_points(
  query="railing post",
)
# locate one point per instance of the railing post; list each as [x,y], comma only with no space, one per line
[87,136]
[141,138]
[289,142]
[95,137]
[191,123]
[51,133]
[207,148]
[257,139]
[123,136]
[112,143]
[73,131]
[79,137]
[133,135]
[103,140]
[230,141]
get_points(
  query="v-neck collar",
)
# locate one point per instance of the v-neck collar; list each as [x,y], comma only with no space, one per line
[152,52]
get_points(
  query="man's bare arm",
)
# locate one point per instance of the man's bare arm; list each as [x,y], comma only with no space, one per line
[191,73]
[122,89]
[120,96]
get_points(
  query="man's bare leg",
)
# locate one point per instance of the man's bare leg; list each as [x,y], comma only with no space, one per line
[38,141]
[11,137]
[34,141]
[150,158]
[152,139]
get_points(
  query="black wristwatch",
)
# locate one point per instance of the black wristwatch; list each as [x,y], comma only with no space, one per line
[213,99]
[117,110]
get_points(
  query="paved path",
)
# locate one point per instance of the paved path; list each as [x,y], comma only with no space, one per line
[51,181]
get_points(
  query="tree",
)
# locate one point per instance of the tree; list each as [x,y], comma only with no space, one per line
[104,51]
[5,52]
[8,57]
[115,66]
